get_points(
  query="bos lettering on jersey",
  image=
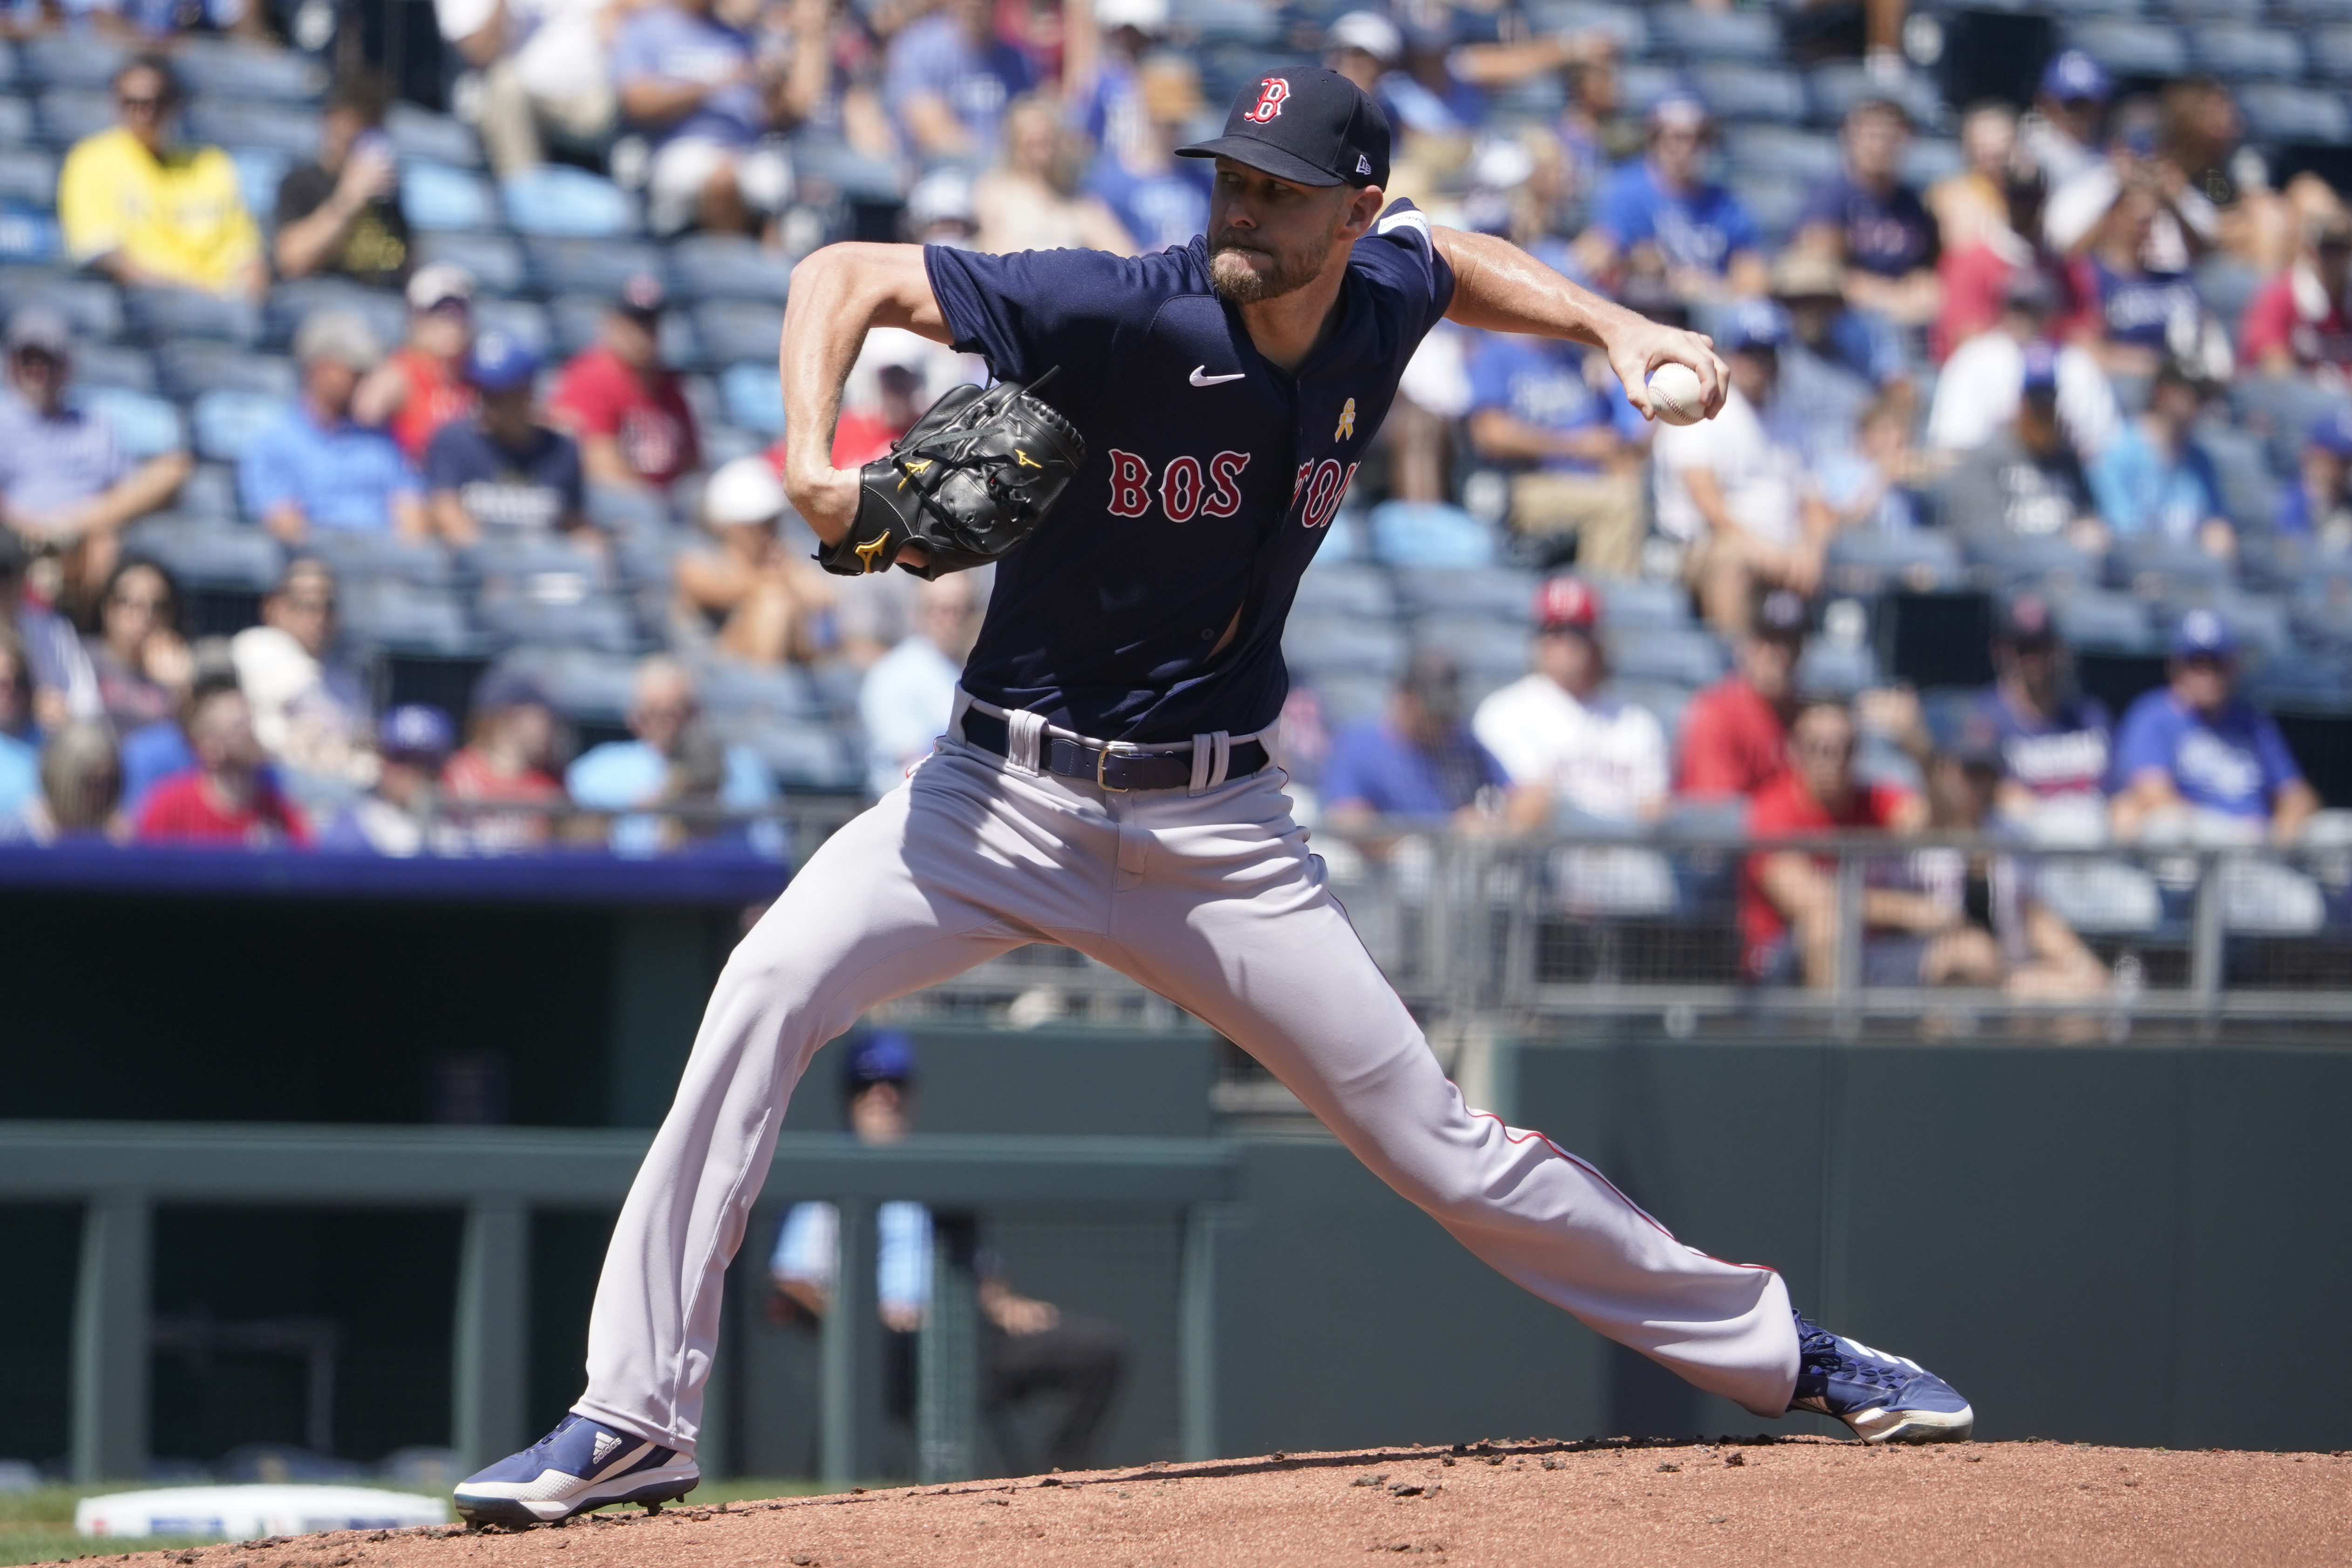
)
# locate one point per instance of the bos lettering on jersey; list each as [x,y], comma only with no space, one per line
[1188,487]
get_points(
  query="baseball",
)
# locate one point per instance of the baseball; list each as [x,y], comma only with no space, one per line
[1676,395]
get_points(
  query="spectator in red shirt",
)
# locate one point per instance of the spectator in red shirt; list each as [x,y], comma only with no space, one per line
[420,385]
[1788,898]
[1734,734]
[228,797]
[2297,321]
[626,411]
[509,757]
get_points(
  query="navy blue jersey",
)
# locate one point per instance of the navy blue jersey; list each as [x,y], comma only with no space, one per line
[1211,475]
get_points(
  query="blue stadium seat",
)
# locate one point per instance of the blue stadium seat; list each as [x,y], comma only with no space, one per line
[1751,91]
[384,611]
[598,621]
[495,260]
[728,267]
[1361,591]
[724,442]
[558,202]
[2283,112]
[66,114]
[1631,601]
[1481,645]
[418,132]
[2331,51]
[731,688]
[2104,622]
[1783,151]
[2248,496]
[1753,35]
[292,304]
[167,313]
[862,178]
[626,513]
[1664,700]
[220,67]
[2235,50]
[260,172]
[1868,559]
[1841,83]
[579,319]
[646,547]
[1774,202]
[210,492]
[1687,657]
[1501,593]
[251,122]
[2013,559]
[1342,644]
[589,266]
[29,175]
[2262,623]
[438,198]
[1230,21]
[109,365]
[2152,565]
[1626,23]
[732,329]
[28,235]
[73,58]
[1424,535]
[583,683]
[753,397]
[218,555]
[1842,669]
[190,369]
[1932,158]
[1643,82]
[17,122]
[1348,697]
[2132,49]
[800,754]
[144,423]
[520,319]
[225,420]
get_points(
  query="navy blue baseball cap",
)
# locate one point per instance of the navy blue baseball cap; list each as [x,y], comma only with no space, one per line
[414,730]
[506,687]
[2071,74]
[883,1056]
[2040,366]
[1756,324]
[500,361]
[2332,432]
[2204,633]
[1310,126]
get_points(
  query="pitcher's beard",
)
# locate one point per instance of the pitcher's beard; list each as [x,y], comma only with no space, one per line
[1234,279]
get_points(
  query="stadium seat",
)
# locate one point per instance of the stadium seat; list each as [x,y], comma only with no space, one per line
[260,172]
[722,443]
[1838,85]
[1664,700]
[598,268]
[1827,666]
[91,305]
[18,123]
[753,398]
[2283,112]
[578,320]
[66,114]
[1783,151]
[1343,645]
[1429,536]
[292,304]
[626,512]
[1751,91]
[2092,618]
[1865,559]
[728,330]
[73,58]
[2012,559]
[800,755]
[731,688]
[223,68]
[225,420]
[558,202]
[144,423]
[218,555]
[2132,49]
[728,267]
[246,122]
[1932,158]
[1625,24]
[1361,591]
[1499,592]
[1630,601]
[1774,202]
[28,235]
[2331,51]
[1685,657]
[1230,21]
[188,370]
[2240,461]
[356,556]
[583,683]
[167,313]
[2234,49]
[495,260]
[1481,645]
[2157,567]
[109,365]
[1753,35]
[598,621]
[29,176]
[860,178]
[518,319]
[210,493]
[438,198]
[418,132]
[1343,697]
[384,611]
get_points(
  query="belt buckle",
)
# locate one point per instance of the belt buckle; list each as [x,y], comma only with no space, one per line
[1102,760]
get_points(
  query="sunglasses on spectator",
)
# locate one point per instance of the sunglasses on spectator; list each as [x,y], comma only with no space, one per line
[1827,750]
[311,604]
[147,602]
[141,103]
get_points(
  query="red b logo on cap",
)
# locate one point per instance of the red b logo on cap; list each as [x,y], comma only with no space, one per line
[1270,94]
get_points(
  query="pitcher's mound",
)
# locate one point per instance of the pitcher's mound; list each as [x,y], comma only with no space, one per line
[1508,1504]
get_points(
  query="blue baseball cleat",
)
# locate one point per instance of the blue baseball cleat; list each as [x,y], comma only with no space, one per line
[577,1466]
[1884,1399]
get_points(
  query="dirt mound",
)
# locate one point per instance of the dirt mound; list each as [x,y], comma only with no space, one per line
[1509,1504]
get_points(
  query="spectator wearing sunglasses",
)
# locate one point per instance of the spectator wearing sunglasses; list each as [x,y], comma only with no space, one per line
[151,210]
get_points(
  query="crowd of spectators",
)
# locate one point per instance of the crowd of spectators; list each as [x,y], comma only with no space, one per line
[2085,338]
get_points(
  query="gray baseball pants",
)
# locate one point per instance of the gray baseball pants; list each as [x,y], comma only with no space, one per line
[1209,897]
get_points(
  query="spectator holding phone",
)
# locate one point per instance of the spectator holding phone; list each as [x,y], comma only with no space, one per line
[341,214]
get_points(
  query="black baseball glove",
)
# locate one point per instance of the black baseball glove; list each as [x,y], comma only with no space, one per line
[974,477]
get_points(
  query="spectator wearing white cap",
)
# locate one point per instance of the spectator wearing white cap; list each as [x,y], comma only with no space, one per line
[1663,216]
[66,484]
[340,212]
[315,467]
[543,72]
[500,470]
[939,209]
[420,385]
[744,592]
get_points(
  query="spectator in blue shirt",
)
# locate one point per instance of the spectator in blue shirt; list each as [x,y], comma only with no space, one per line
[1661,215]
[675,760]
[1418,760]
[2195,749]
[1867,218]
[695,86]
[20,751]
[948,80]
[2154,479]
[315,469]
[1161,199]
[1575,444]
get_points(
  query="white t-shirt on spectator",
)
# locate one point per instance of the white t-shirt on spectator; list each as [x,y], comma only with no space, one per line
[1605,757]
[1983,380]
[1763,475]
[554,43]
[905,704]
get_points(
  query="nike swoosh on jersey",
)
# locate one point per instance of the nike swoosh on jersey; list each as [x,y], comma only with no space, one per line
[1201,380]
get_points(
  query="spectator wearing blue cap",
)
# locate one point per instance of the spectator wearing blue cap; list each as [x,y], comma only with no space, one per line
[502,471]
[1867,218]
[2026,481]
[1028,1347]
[2061,134]
[398,816]
[2318,507]
[2194,751]
[1733,492]
[1663,216]
[2154,478]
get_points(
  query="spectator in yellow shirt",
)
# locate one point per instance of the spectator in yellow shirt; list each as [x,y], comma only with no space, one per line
[147,211]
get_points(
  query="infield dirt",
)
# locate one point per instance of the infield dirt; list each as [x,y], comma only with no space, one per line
[1807,1500]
